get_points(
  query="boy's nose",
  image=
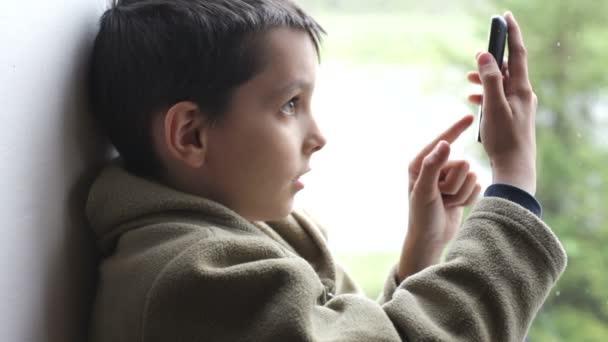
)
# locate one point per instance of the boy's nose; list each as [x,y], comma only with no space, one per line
[316,140]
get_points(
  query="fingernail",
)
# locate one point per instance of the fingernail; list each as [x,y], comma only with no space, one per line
[510,14]
[485,59]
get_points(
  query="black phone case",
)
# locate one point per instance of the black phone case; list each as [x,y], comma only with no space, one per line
[498,40]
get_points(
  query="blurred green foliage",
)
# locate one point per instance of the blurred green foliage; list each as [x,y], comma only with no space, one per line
[567,43]
[370,270]
[400,38]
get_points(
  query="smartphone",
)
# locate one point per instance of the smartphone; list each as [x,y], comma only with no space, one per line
[498,40]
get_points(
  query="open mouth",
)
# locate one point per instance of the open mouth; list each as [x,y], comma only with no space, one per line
[297,179]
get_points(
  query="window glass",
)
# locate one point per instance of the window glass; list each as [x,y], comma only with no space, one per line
[393,75]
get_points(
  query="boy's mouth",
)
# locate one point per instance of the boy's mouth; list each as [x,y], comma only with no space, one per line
[301,174]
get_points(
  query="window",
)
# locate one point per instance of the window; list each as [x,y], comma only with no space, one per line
[393,76]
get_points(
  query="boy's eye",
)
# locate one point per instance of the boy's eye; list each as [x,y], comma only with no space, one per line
[290,107]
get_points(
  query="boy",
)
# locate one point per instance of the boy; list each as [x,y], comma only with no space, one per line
[208,104]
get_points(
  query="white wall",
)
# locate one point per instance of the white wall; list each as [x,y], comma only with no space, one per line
[48,150]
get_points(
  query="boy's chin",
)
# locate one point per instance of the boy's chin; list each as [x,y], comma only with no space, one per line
[275,213]
[280,214]
[281,211]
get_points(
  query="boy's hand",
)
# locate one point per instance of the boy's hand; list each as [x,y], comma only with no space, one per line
[509,106]
[438,191]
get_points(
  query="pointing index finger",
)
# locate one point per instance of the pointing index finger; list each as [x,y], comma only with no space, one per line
[450,135]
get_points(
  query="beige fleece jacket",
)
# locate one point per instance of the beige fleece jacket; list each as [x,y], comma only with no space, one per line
[178,267]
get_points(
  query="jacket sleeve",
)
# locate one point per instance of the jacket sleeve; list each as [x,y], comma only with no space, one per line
[390,285]
[497,273]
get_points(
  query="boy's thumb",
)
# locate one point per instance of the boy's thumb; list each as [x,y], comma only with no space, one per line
[426,185]
[491,77]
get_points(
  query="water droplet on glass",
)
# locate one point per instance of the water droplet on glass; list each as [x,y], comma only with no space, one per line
[559,44]
[557,294]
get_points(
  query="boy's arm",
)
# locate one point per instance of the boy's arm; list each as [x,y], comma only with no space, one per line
[497,237]
[509,140]
[504,191]
[498,271]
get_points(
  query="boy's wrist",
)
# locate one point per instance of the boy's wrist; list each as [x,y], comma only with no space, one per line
[524,181]
[417,255]
[516,173]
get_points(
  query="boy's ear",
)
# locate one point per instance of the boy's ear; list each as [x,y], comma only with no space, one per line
[185,128]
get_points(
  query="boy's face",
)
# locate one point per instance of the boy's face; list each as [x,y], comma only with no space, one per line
[264,143]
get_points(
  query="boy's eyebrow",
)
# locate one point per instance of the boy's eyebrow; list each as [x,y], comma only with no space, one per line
[292,86]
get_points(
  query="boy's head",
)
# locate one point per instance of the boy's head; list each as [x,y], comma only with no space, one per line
[211,96]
